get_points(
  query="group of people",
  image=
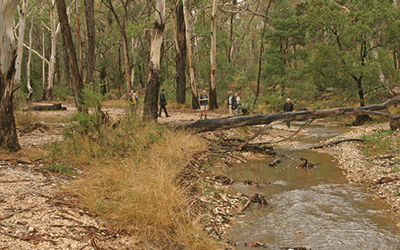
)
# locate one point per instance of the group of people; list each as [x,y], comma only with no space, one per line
[233,103]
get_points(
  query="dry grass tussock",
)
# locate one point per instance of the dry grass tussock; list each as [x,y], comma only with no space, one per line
[130,179]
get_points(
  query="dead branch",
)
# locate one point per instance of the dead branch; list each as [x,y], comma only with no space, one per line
[336,142]
[15,181]
[251,120]
[258,133]
[11,215]
[187,158]
[387,179]
[33,237]
[257,198]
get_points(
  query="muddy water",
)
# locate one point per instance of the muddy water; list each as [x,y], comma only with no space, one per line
[316,209]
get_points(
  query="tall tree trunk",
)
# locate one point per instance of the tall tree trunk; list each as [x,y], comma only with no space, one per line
[261,53]
[43,67]
[360,91]
[52,61]
[154,74]
[28,65]
[135,45]
[195,100]
[213,71]
[78,24]
[122,28]
[8,132]
[180,54]
[20,46]
[126,64]
[91,38]
[77,85]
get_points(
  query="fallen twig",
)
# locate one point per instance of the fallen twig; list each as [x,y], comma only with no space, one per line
[33,237]
[387,179]
[11,215]
[336,142]
[15,181]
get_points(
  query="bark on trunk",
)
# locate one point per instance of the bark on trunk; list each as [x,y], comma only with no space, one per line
[76,82]
[241,121]
[180,55]
[52,61]
[154,74]
[195,101]
[8,132]
[20,46]
[122,28]
[213,71]
[261,53]
[28,66]
[91,38]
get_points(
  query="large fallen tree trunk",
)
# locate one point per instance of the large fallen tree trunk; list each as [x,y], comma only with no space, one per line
[241,121]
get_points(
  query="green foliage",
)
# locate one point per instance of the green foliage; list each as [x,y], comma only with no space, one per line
[56,158]
[91,121]
[381,142]
[343,49]
[61,92]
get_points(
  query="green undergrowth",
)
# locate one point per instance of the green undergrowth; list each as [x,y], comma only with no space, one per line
[383,142]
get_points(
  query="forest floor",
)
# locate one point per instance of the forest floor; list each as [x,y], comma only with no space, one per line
[35,212]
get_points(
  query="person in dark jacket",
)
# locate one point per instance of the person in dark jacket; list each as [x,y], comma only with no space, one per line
[163,103]
[288,107]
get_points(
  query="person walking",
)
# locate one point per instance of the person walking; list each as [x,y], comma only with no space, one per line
[163,104]
[288,107]
[231,102]
[203,99]
[237,103]
[133,100]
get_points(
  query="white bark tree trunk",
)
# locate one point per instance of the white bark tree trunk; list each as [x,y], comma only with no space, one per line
[28,65]
[8,132]
[20,46]
[193,86]
[213,71]
[154,74]
[43,68]
[54,28]
[135,45]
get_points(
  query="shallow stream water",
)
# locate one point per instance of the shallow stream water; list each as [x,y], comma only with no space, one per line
[315,209]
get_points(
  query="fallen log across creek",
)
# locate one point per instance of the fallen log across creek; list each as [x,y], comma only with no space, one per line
[241,121]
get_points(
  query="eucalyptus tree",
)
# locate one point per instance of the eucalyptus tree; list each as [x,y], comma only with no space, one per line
[180,40]
[284,39]
[343,37]
[76,77]
[122,24]
[91,40]
[8,132]
[21,35]
[154,72]
[193,85]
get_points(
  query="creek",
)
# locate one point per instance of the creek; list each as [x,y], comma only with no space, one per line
[313,209]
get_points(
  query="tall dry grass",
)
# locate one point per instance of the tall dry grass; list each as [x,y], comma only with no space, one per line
[130,180]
